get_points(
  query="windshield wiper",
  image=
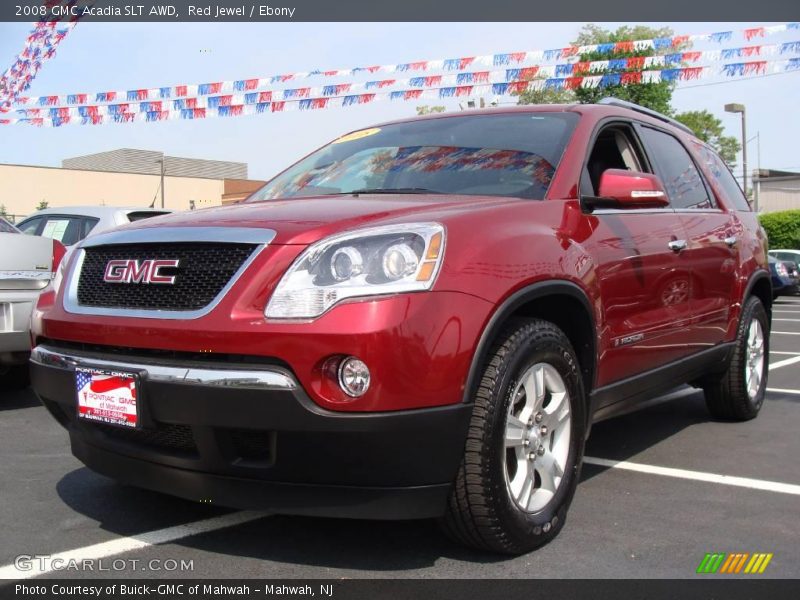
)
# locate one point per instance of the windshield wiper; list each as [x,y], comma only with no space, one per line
[406,190]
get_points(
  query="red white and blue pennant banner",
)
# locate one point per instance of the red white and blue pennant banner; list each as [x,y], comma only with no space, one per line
[40,46]
[667,47]
[148,111]
[192,98]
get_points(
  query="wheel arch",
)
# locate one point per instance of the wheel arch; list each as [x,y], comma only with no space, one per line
[760,285]
[564,304]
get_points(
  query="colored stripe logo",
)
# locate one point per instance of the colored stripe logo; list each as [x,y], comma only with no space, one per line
[734,563]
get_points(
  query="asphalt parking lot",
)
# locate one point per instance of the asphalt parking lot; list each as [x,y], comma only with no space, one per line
[655,497]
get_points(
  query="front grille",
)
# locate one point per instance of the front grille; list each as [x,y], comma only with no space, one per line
[165,436]
[204,269]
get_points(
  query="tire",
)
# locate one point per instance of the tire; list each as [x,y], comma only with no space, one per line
[489,508]
[14,377]
[736,396]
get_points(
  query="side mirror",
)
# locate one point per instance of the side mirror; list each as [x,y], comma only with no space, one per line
[629,189]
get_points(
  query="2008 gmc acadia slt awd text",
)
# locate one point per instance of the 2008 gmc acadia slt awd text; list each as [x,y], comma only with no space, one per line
[420,319]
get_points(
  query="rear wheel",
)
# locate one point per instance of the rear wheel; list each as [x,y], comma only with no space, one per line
[739,393]
[522,458]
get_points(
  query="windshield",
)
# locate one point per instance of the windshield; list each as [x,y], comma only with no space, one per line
[511,154]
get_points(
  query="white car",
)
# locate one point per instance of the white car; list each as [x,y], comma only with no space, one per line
[69,225]
[27,265]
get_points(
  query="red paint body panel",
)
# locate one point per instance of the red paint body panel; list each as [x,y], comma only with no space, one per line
[419,346]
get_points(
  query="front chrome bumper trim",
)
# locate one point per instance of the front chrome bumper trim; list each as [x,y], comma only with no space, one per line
[264,379]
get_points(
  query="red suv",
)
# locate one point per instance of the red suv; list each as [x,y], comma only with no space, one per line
[419,319]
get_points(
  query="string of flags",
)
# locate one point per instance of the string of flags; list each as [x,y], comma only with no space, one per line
[254,94]
[40,46]
[204,108]
[667,47]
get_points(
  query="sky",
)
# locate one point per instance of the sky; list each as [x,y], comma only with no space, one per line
[117,56]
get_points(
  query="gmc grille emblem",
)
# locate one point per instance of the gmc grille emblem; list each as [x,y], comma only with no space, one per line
[134,271]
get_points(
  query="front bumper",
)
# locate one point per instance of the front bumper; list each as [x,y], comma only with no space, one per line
[248,436]
[15,317]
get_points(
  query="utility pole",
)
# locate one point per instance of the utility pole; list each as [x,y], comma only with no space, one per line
[739,108]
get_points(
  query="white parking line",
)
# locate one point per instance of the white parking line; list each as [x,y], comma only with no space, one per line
[784,362]
[136,542]
[784,352]
[787,332]
[756,484]
[792,320]
[783,391]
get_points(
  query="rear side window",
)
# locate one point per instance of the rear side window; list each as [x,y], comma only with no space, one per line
[6,227]
[722,176]
[138,216]
[678,172]
[30,226]
[66,230]
[88,224]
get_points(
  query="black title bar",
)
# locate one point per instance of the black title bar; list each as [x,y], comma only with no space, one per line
[403,10]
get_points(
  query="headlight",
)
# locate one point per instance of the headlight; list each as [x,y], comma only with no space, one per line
[368,262]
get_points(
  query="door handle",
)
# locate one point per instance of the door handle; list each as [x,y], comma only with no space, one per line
[730,241]
[677,245]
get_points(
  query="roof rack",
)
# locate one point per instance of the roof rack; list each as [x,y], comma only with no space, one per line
[611,101]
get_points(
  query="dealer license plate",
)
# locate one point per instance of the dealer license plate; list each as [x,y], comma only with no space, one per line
[107,396]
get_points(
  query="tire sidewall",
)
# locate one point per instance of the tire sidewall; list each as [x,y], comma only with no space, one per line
[546,522]
[754,309]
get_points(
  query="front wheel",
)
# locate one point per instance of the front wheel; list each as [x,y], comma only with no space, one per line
[739,393]
[525,443]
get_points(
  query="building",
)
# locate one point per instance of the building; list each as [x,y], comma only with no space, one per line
[777,190]
[148,162]
[123,177]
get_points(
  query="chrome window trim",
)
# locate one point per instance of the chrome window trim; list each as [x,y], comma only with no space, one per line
[264,379]
[229,235]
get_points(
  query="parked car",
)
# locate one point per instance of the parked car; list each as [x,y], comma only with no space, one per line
[27,266]
[419,319]
[786,254]
[71,224]
[783,283]
[6,227]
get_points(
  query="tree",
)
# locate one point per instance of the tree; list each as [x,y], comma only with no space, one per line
[429,110]
[709,128]
[3,211]
[42,205]
[547,96]
[656,96]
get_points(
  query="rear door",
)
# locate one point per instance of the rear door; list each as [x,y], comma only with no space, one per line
[712,237]
[644,284]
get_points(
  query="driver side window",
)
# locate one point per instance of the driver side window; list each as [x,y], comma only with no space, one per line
[614,148]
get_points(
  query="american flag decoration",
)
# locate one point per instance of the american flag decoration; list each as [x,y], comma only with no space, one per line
[107,398]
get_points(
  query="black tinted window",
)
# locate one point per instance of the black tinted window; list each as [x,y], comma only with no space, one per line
[722,175]
[678,172]
[145,214]
[496,155]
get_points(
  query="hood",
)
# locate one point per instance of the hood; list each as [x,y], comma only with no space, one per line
[306,220]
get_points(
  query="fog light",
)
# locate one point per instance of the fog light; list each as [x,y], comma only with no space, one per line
[353,377]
